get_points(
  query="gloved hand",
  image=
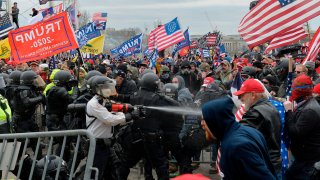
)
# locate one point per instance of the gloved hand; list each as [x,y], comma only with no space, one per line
[128,117]
[138,113]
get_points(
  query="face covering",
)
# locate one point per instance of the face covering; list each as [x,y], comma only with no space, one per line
[165,76]
[176,85]
[185,71]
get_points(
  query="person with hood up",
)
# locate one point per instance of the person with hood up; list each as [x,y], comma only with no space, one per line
[225,73]
[244,153]
[184,95]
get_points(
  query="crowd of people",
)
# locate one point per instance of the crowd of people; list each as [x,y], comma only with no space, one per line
[248,126]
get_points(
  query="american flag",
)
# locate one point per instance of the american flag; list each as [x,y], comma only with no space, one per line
[211,39]
[194,45]
[99,16]
[165,36]
[269,18]
[287,38]
[5,25]
[314,48]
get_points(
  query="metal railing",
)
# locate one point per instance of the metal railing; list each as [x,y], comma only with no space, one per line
[16,139]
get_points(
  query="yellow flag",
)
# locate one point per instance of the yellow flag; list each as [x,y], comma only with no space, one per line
[94,46]
[5,49]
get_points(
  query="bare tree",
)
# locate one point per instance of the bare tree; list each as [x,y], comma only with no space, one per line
[84,18]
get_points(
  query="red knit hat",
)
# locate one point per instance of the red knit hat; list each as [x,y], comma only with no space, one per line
[316,89]
[191,177]
[301,87]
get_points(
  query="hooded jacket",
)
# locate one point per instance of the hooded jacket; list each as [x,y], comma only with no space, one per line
[244,153]
[184,95]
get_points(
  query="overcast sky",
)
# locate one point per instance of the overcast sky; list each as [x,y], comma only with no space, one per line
[201,16]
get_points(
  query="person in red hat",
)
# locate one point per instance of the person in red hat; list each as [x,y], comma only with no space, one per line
[263,116]
[303,126]
[316,91]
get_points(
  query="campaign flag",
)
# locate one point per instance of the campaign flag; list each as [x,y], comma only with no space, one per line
[287,38]
[46,14]
[270,18]
[314,48]
[146,52]
[87,32]
[184,51]
[5,49]
[205,53]
[165,36]
[5,25]
[41,40]
[153,59]
[94,46]
[182,44]
[100,19]
[129,47]
[41,2]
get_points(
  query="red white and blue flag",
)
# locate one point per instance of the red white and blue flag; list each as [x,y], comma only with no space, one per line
[270,18]
[314,48]
[287,38]
[100,20]
[165,36]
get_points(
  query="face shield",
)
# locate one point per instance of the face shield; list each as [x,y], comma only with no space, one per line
[38,82]
[108,89]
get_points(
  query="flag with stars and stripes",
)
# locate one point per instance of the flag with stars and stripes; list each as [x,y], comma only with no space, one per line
[5,25]
[314,48]
[289,83]
[270,18]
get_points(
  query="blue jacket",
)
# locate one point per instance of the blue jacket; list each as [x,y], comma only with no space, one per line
[244,153]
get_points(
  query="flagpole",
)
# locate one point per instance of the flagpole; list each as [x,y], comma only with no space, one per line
[79,63]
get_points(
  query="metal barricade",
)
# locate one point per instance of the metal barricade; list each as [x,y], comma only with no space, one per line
[13,141]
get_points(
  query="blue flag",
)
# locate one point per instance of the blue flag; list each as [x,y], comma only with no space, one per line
[153,59]
[182,44]
[87,32]
[130,47]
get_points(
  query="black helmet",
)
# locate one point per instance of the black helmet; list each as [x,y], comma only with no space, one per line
[100,83]
[28,77]
[53,163]
[248,70]
[62,78]
[14,77]
[150,81]
[170,90]
[90,74]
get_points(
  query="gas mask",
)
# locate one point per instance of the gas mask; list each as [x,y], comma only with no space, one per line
[107,90]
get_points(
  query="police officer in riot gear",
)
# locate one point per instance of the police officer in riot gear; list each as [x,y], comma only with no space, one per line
[14,82]
[58,99]
[26,98]
[146,132]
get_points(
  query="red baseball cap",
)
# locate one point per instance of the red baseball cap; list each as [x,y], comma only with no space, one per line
[250,85]
[191,177]
[207,81]
[316,89]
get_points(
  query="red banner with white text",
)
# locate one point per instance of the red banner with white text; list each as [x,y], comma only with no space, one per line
[43,39]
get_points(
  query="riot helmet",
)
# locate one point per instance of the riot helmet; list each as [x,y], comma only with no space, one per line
[14,77]
[53,163]
[248,72]
[103,86]
[150,82]
[30,78]
[90,74]
[170,90]
[64,79]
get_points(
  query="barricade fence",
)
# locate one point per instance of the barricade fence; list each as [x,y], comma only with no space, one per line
[14,148]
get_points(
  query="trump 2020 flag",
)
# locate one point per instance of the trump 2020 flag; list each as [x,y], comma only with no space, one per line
[182,44]
[129,47]
[165,36]
[87,32]
[153,59]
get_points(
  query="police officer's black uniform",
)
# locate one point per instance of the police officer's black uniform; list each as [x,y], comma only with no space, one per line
[146,132]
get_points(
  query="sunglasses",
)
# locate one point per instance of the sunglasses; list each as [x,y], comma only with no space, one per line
[298,72]
[265,82]
[245,76]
